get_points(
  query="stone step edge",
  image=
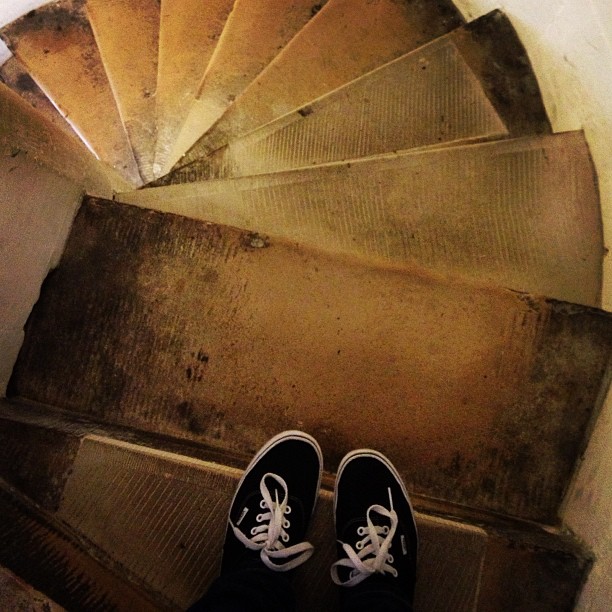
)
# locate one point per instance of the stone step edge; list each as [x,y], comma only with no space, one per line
[454,147]
[79,427]
[516,98]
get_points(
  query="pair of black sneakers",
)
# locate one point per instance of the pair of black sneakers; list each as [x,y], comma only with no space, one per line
[276,498]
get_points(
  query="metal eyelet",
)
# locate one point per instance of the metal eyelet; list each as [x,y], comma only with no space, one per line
[361,531]
[285,537]
[287,510]
[359,545]
[262,504]
[259,518]
[286,524]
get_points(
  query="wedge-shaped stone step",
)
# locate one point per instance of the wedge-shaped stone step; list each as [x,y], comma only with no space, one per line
[127,34]
[482,395]
[14,75]
[174,507]
[424,98]
[463,85]
[344,40]
[254,34]
[189,33]
[25,130]
[57,46]
[520,213]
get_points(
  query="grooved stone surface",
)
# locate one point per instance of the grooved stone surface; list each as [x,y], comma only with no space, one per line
[57,46]
[127,33]
[254,34]
[482,396]
[521,213]
[175,509]
[344,40]
[424,98]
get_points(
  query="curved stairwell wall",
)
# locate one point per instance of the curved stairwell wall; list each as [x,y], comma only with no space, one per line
[570,46]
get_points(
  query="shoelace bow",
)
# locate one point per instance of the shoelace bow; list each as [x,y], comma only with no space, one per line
[270,537]
[373,550]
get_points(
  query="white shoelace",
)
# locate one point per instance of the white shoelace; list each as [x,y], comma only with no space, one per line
[270,536]
[373,550]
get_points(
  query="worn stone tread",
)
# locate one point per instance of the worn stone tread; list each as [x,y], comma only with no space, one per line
[189,33]
[175,506]
[127,34]
[212,334]
[344,40]
[427,97]
[23,129]
[521,213]
[253,36]
[50,558]
[451,89]
[57,46]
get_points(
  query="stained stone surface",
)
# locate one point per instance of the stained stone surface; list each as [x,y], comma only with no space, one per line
[344,40]
[57,46]
[50,559]
[427,97]
[189,33]
[17,596]
[127,34]
[483,396]
[253,36]
[521,213]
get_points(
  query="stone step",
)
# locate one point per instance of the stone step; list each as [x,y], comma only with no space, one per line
[254,34]
[57,46]
[344,40]
[189,34]
[26,130]
[14,75]
[427,97]
[127,34]
[520,213]
[466,84]
[482,395]
[174,507]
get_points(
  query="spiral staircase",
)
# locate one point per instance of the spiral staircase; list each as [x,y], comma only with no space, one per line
[350,217]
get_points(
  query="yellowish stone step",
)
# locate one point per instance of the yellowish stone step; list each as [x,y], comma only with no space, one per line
[14,75]
[344,40]
[56,45]
[521,213]
[27,130]
[189,33]
[253,35]
[482,396]
[175,506]
[127,33]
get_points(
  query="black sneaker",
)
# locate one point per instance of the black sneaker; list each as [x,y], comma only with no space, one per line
[273,504]
[375,527]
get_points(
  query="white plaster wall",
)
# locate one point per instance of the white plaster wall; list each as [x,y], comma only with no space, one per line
[570,46]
